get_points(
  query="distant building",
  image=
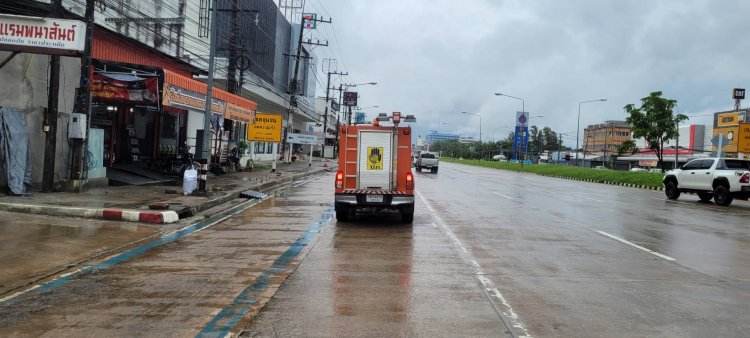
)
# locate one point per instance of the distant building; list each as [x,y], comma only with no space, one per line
[606,137]
[434,135]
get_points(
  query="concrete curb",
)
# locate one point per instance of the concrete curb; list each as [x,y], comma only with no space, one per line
[144,216]
[629,185]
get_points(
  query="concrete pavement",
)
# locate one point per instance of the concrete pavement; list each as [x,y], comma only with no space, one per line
[131,203]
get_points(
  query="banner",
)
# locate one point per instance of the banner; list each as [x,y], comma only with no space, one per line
[267,128]
[41,35]
[117,88]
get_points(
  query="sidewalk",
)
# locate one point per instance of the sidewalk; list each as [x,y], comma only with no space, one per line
[131,203]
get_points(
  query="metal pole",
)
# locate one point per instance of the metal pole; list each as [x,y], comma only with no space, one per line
[677,141]
[84,96]
[578,131]
[209,93]
[50,144]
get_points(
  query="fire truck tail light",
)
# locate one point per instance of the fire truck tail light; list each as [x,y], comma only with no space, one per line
[339,180]
[409,181]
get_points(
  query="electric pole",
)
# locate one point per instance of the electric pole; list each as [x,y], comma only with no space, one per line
[83,97]
[325,117]
[294,85]
[50,117]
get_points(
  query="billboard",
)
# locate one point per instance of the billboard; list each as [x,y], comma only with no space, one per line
[267,128]
[727,130]
[350,99]
[520,141]
[522,118]
[743,138]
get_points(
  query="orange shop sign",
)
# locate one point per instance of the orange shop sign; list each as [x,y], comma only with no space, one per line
[182,98]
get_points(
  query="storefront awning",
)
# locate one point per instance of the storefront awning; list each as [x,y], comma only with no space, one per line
[186,93]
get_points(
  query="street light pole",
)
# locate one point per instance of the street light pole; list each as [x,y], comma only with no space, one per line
[677,141]
[480,124]
[578,128]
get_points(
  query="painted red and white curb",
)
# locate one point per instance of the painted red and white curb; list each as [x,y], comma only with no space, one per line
[144,216]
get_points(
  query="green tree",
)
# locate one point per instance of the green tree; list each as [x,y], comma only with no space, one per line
[627,147]
[655,122]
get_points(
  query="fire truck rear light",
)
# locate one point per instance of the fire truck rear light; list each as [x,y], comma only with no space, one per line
[745,178]
[409,181]
[339,180]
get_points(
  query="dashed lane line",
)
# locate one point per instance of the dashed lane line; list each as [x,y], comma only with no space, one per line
[636,246]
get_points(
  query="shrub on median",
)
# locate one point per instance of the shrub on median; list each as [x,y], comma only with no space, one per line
[615,176]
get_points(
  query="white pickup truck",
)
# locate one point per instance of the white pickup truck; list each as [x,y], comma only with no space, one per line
[722,179]
[426,160]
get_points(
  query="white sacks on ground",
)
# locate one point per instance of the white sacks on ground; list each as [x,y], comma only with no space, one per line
[189,181]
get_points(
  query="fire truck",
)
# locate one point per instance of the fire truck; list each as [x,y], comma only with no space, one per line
[375,168]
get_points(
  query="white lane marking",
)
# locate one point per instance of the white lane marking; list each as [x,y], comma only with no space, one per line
[636,246]
[506,196]
[478,272]
[586,197]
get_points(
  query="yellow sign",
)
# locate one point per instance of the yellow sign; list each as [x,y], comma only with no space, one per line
[731,134]
[728,119]
[267,128]
[743,139]
[374,158]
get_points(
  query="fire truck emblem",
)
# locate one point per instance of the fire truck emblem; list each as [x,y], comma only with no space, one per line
[374,158]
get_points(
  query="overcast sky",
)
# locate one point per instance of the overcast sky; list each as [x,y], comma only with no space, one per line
[437,58]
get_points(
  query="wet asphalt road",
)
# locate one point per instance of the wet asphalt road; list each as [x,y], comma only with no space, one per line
[490,252]
[494,251]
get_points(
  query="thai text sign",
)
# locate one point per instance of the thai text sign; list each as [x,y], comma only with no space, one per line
[185,99]
[267,128]
[743,140]
[240,114]
[41,35]
[301,138]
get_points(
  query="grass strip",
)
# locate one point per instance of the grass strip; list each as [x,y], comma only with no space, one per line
[651,180]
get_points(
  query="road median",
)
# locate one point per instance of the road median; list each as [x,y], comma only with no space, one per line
[643,180]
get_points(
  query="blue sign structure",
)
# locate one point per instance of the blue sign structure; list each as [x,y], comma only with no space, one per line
[520,140]
[359,118]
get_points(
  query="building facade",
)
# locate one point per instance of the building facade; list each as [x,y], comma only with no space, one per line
[605,138]
[158,49]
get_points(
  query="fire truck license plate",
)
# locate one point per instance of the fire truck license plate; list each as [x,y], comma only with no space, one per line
[374,198]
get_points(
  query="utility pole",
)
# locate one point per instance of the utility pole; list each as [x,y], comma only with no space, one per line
[559,148]
[294,85]
[205,154]
[325,117]
[236,60]
[83,97]
[50,118]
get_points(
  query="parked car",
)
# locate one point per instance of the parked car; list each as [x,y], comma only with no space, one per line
[637,169]
[656,170]
[722,179]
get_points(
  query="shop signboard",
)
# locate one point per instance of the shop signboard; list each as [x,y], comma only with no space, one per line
[240,114]
[296,138]
[118,88]
[41,35]
[743,140]
[185,99]
[267,128]
[727,124]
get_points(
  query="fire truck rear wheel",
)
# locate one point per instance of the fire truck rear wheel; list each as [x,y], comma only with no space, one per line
[342,216]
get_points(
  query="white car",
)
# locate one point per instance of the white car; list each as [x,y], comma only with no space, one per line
[722,179]
[636,169]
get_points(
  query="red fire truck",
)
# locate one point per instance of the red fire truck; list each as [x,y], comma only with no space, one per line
[375,168]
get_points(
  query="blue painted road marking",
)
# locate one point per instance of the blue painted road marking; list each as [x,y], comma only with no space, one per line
[228,317]
[135,252]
